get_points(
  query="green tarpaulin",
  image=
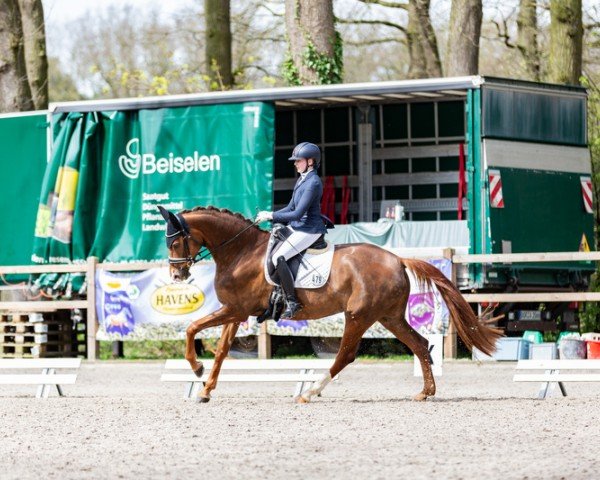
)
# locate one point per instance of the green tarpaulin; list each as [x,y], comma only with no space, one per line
[110,170]
[22,162]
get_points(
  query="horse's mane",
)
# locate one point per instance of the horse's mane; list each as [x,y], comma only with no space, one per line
[226,211]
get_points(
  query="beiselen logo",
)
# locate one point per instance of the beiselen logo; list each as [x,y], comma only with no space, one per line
[131,163]
[135,163]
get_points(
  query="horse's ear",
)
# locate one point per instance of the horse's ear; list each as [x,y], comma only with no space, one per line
[164,212]
[170,217]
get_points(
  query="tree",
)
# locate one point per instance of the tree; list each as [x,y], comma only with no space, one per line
[314,47]
[115,53]
[566,34]
[462,53]
[61,87]
[218,44]
[120,54]
[523,58]
[422,42]
[34,34]
[527,27]
[418,37]
[15,94]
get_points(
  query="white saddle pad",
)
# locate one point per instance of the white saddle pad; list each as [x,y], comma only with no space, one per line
[314,269]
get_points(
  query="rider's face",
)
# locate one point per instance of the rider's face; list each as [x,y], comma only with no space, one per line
[301,165]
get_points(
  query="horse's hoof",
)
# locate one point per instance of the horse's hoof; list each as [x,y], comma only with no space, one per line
[200,399]
[301,400]
[199,371]
[421,397]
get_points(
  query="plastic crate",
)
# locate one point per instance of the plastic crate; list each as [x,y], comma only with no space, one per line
[543,351]
[508,348]
[593,349]
[591,336]
[512,349]
[572,348]
[479,356]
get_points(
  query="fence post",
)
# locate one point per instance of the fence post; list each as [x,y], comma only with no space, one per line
[264,342]
[92,324]
[450,341]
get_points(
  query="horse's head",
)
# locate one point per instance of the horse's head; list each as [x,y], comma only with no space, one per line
[183,248]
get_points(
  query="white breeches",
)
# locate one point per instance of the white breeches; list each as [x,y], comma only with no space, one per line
[294,244]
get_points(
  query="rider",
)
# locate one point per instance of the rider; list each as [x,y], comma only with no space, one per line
[303,217]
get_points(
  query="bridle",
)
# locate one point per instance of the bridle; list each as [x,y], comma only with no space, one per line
[185,233]
[187,258]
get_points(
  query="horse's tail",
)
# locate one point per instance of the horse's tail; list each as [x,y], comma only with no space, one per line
[469,328]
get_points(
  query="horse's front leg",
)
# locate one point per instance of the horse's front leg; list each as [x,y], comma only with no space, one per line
[227,337]
[354,329]
[222,316]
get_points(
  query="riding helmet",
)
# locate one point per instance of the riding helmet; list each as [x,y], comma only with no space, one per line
[306,150]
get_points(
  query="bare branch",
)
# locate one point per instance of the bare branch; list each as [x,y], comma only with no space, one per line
[383,3]
[503,33]
[254,66]
[378,41]
[270,10]
[373,22]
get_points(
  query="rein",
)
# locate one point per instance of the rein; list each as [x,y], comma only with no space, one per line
[186,248]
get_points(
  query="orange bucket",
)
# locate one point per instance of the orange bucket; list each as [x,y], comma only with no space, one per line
[593,349]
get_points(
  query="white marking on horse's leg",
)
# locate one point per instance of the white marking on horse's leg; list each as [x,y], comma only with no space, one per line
[317,387]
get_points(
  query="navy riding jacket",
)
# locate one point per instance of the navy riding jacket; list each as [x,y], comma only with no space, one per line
[303,213]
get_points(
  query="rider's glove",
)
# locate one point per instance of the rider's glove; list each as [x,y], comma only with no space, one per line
[263,216]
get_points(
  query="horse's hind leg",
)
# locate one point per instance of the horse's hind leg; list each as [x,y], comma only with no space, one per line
[227,337]
[353,332]
[419,346]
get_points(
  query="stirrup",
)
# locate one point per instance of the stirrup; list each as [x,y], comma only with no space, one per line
[293,307]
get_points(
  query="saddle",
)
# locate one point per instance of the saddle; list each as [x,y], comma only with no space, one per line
[279,234]
[301,265]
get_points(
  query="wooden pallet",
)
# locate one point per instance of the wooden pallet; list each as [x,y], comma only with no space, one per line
[14,317]
[53,335]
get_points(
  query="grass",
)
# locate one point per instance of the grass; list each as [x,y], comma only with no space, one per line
[145,350]
[282,347]
[386,358]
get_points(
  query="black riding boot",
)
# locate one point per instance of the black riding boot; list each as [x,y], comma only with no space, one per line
[287,284]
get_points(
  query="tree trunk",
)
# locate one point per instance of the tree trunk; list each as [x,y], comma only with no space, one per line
[218,44]
[527,38]
[426,37]
[15,94]
[34,34]
[566,34]
[314,47]
[462,54]
[417,67]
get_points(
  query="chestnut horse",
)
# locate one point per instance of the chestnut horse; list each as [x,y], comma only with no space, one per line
[367,283]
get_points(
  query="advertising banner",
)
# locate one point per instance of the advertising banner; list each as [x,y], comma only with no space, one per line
[147,306]
[110,170]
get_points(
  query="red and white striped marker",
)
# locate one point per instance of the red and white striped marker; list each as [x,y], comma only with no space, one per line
[586,192]
[496,199]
